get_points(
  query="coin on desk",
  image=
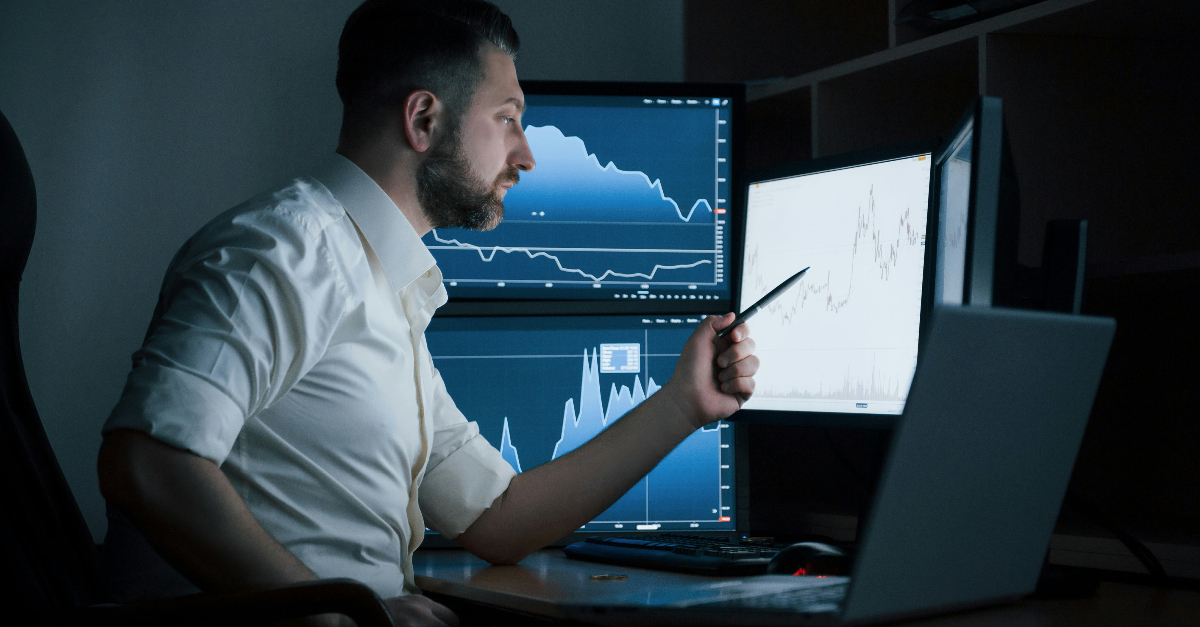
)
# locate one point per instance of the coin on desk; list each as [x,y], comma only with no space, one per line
[609,577]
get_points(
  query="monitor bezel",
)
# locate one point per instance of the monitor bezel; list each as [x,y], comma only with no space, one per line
[823,164]
[736,93]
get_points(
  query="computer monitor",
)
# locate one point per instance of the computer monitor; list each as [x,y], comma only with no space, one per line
[840,347]
[539,387]
[975,238]
[630,204]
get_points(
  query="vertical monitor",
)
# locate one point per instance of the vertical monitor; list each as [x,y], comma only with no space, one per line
[975,241]
[954,202]
[540,387]
[629,202]
[842,341]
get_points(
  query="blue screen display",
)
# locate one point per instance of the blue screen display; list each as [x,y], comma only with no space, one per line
[628,201]
[541,387]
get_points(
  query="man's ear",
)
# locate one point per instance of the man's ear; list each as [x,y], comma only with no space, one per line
[421,119]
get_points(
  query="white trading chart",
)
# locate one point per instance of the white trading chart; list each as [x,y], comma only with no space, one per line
[844,339]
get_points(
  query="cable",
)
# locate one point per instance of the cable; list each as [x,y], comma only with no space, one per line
[1139,550]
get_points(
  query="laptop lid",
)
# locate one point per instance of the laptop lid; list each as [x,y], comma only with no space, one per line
[980,462]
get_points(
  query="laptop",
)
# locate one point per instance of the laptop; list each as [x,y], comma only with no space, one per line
[962,518]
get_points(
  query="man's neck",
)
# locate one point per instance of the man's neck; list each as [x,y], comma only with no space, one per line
[396,174]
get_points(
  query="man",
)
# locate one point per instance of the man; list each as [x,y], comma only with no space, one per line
[283,420]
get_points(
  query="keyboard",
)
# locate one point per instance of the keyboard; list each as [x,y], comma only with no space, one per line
[678,552]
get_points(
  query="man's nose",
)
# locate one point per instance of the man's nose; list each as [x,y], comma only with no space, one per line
[522,155]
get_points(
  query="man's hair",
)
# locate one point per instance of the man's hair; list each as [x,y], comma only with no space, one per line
[391,48]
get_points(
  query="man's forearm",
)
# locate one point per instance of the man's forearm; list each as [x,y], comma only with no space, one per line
[546,503]
[192,515]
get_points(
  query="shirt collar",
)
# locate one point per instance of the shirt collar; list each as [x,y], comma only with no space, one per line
[400,250]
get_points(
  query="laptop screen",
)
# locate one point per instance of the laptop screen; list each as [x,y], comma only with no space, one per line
[539,387]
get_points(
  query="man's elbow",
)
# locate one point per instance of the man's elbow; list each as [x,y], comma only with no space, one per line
[492,545]
[120,468]
[501,556]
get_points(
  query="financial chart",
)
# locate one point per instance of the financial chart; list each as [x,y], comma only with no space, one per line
[541,387]
[844,338]
[627,200]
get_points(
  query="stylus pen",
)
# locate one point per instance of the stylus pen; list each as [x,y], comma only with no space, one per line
[762,302]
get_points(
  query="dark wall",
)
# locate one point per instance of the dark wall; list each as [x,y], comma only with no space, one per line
[755,40]
[759,40]
[143,119]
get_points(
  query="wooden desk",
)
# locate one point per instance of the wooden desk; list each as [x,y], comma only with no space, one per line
[541,583]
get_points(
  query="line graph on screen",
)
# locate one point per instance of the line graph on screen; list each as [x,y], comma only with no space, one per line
[845,337]
[581,218]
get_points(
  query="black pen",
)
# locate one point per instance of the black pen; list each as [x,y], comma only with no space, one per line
[762,302]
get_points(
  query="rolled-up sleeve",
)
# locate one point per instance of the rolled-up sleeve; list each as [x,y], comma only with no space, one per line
[465,473]
[245,310]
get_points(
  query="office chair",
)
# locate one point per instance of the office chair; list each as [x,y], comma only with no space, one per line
[50,572]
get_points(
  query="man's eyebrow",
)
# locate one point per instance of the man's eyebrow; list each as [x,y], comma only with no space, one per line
[520,104]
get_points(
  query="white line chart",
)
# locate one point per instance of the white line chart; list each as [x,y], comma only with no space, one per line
[530,252]
[845,338]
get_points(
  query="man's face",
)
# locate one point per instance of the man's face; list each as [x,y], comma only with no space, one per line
[463,180]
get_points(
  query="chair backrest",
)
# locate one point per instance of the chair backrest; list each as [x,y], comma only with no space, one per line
[49,559]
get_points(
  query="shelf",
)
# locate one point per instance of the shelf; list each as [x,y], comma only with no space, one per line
[912,98]
[918,47]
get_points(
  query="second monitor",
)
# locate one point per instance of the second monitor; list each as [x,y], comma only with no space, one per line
[844,339]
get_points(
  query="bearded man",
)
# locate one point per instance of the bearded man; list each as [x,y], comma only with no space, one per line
[283,420]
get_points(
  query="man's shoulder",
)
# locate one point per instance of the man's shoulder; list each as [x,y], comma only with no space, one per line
[303,204]
[290,221]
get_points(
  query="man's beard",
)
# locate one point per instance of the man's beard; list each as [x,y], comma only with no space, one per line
[453,196]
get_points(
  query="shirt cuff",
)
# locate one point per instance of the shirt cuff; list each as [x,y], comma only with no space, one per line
[179,409]
[457,491]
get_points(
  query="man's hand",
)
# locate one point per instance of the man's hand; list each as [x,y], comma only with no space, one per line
[417,611]
[714,376]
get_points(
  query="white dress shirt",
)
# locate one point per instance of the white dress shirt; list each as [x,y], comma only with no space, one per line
[288,347]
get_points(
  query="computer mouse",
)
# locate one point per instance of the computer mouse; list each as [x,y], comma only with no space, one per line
[810,558]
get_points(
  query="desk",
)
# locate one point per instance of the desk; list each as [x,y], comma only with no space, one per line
[543,581]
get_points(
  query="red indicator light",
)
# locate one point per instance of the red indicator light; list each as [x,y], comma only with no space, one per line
[800,571]
[719,210]
[723,519]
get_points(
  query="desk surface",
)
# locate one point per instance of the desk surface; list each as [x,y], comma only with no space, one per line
[547,579]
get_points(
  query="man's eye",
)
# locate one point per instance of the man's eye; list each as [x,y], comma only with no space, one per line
[508,120]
